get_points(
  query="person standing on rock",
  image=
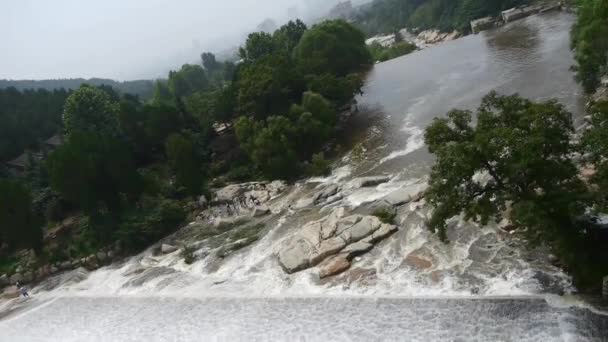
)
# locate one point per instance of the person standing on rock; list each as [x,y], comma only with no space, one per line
[23,291]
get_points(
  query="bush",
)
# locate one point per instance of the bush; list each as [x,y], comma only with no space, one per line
[319,166]
[155,219]
[385,216]
[188,254]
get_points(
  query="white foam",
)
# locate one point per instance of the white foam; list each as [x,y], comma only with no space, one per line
[415,141]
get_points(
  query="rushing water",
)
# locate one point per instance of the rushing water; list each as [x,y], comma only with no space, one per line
[451,296]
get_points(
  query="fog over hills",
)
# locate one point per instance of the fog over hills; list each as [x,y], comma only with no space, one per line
[126,40]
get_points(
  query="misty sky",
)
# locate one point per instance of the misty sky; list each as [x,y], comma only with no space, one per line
[126,39]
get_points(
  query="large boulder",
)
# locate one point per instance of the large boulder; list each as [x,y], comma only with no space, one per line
[260,211]
[408,194]
[335,265]
[319,240]
[229,192]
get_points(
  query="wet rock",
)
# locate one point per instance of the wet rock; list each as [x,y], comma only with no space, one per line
[135,269]
[368,181]
[380,206]
[28,276]
[319,240]
[91,262]
[202,201]
[356,249]
[43,272]
[76,263]
[334,198]
[167,249]
[229,193]
[326,248]
[330,191]
[305,202]
[382,233]
[412,193]
[329,226]
[101,256]
[111,255]
[19,269]
[418,262]
[66,265]
[4,280]
[54,269]
[148,275]
[260,211]
[333,266]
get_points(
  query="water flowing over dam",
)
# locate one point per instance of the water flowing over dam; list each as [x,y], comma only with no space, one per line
[483,286]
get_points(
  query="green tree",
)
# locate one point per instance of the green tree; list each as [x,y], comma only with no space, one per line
[268,86]
[90,109]
[595,146]
[515,161]
[20,227]
[288,36]
[334,47]
[96,173]
[523,148]
[269,144]
[188,80]
[210,63]
[590,42]
[257,46]
[185,162]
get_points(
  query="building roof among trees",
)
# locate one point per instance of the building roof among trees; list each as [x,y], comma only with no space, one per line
[55,140]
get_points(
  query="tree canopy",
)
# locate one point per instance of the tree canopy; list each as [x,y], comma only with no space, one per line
[334,47]
[516,161]
[19,225]
[590,42]
[91,110]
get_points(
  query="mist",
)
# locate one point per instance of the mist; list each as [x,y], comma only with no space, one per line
[125,40]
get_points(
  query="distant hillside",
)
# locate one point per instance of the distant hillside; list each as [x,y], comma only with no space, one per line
[143,88]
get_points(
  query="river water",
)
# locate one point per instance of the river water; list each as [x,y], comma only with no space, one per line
[483,286]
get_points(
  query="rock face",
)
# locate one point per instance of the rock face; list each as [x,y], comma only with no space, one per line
[4,280]
[335,265]
[259,211]
[435,36]
[405,195]
[317,241]
[166,248]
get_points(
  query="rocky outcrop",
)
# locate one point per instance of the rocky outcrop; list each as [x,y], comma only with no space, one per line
[333,266]
[408,194]
[430,37]
[236,200]
[167,249]
[336,235]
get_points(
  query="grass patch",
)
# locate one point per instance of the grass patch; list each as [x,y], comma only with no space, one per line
[188,254]
[385,216]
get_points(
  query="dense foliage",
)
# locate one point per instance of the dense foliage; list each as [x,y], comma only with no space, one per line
[386,16]
[290,86]
[590,42]
[129,169]
[382,54]
[141,88]
[90,110]
[28,118]
[20,227]
[516,161]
